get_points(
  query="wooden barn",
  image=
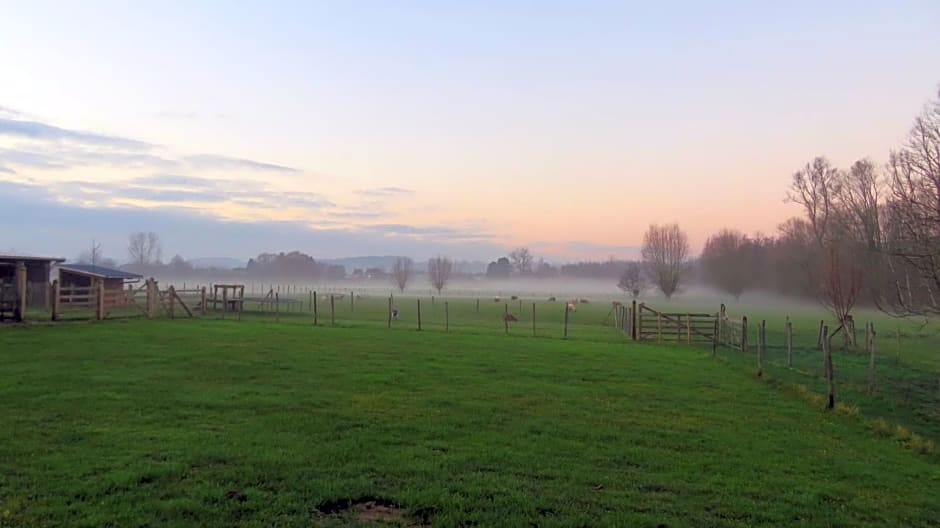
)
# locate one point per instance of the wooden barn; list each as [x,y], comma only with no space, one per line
[86,275]
[35,272]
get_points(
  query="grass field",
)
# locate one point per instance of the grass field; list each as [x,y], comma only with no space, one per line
[251,423]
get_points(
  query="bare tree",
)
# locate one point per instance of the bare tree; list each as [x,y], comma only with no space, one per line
[666,257]
[913,210]
[401,272]
[632,279]
[815,188]
[144,248]
[439,269]
[522,260]
[726,261]
[92,255]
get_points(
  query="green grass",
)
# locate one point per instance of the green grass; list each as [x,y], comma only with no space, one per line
[218,423]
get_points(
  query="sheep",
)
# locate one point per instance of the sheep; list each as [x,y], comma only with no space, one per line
[509,318]
[552,299]
[572,307]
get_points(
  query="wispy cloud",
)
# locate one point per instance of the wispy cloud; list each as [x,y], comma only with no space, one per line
[9,112]
[212,161]
[43,131]
[7,170]
[385,192]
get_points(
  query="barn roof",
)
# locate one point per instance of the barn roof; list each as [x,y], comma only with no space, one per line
[28,258]
[93,270]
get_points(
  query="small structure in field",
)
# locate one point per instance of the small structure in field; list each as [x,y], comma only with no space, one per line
[90,275]
[24,283]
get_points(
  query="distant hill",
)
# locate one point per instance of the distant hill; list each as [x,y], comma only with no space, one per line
[217,263]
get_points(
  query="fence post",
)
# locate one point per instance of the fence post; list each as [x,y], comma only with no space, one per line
[277,307]
[171,294]
[870,344]
[352,302]
[788,340]
[419,315]
[21,285]
[224,301]
[446,317]
[478,305]
[205,308]
[822,334]
[389,311]
[565,335]
[506,318]
[332,310]
[715,338]
[310,300]
[314,308]
[688,328]
[534,333]
[55,300]
[827,366]
[744,334]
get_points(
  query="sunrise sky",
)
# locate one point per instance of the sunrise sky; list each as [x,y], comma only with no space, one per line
[462,128]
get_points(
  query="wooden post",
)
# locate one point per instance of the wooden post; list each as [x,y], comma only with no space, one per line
[744,334]
[446,317]
[171,294]
[520,307]
[310,300]
[21,285]
[789,331]
[822,335]
[715,338]
[241,302]
[203,301]
[314,308]
[419,315]
[389,311]
[659,327]
[721,323]
[565,335]
[678,328]
[760,349]
[352,303]
[688,328]
[827,367]
[224,301]
[870,344]
[277,307]
[534,333]
[634,323]
[55,299]
[506,319]
[332,310]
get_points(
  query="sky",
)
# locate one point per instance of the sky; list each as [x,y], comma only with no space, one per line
[422,128]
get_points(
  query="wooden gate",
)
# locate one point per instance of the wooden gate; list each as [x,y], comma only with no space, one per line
[678,327]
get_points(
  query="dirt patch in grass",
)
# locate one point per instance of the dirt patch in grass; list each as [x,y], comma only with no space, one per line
[372,510]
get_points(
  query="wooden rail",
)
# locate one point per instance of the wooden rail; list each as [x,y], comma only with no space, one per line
[679,327]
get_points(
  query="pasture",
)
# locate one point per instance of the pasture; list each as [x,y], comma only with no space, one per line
[262,423]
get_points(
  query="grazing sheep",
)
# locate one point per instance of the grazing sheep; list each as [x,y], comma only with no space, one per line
[583,301]
[572,307]
[509,318]
[395,314]
[495,299]
[552,299]
[515,297]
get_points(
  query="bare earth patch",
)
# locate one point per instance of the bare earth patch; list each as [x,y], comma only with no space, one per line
[369,510]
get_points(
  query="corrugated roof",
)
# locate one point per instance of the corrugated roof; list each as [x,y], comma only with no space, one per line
[99,271]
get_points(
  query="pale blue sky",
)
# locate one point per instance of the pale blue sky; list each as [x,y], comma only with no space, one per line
[570,125]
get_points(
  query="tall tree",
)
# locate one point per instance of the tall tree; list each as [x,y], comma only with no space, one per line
[439,270]
[401,272]
[666,257]
[726,261]
[144,248]
[522,260]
